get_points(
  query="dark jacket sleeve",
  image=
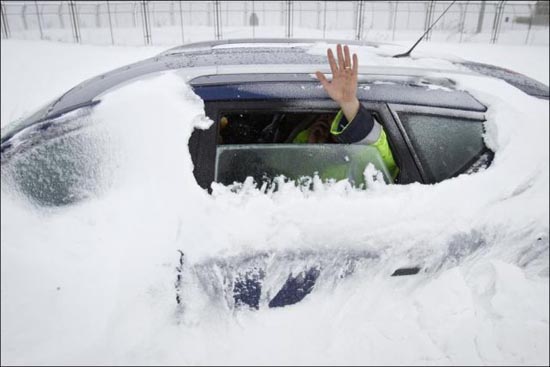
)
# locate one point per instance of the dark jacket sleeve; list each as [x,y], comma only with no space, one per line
[364,129]
[358,129]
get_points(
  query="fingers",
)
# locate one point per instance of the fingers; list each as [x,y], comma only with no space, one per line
[344,60]
[347,58]
[332,62]
[341,64]
[322,79]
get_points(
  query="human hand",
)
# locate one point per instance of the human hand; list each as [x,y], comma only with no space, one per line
[343,87]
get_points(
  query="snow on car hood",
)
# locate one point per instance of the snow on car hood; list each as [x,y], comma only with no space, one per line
[94,282]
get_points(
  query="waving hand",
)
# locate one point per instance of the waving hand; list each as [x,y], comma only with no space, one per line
[343,87]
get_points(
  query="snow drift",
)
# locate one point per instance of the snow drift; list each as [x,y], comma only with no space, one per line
[94,283]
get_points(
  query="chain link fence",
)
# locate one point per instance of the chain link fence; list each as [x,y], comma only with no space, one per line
[177,22]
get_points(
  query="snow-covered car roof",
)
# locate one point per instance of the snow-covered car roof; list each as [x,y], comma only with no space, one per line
[264,42]
[279,56]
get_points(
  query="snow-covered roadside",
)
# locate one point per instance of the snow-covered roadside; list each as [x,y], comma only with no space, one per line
[94,283]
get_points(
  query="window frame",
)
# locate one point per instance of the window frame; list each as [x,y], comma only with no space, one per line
[202,144]
[395,109]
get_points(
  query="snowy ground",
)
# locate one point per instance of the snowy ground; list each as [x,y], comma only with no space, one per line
[93,284]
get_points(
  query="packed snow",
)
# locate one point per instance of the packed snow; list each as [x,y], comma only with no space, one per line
[36,72]
[93,283]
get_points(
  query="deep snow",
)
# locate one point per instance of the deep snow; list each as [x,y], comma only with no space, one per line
[94,283]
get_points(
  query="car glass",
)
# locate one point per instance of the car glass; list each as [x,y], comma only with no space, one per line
[265,145]
[265,128]
[446,146]
[58,163]
[263,162]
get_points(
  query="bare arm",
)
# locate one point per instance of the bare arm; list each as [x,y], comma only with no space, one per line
[343,87]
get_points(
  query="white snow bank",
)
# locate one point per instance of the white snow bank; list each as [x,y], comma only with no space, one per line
[35,72]
[104,270]
[94,283]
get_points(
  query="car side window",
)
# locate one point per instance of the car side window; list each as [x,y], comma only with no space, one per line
[264,145]
[446,146]
[266,128]
[263,162]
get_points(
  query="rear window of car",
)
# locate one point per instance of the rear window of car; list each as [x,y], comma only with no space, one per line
[446,146]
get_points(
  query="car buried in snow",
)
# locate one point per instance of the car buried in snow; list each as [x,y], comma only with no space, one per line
[435,131]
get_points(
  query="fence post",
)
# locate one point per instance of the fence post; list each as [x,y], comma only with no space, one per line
[115,12]
[325,20]
[408,15]
[214,14]
[480,17]
[110,23]
[530,23]
[394,20]
[134,12]
[172,17]
[359,20]
[217,20]
[289,19]
[432,11]
[61,21]
[39,22]
[146,26]
[253,23]
[245,15]
[318,26]
[500,17]
[24,16]
[143,26]
[463,12]
[390,14]
[97,20]
[5,25]
[181,22]
[74,21]
[497,21]
[428,21]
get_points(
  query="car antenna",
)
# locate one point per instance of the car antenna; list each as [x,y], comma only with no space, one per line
[408,53]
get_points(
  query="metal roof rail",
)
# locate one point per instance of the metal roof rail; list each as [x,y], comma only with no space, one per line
[208,45]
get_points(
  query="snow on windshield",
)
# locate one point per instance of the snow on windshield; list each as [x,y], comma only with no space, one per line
[94,282]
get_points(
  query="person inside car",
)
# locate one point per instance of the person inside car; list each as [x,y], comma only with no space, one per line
[353,124]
